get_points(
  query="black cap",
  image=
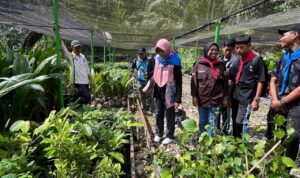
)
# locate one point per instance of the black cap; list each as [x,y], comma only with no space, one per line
[142,51]
[295,28]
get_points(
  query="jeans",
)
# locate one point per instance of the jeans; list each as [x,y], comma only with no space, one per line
[170,115]
[208,116]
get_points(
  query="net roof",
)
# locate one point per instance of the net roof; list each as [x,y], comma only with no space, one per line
[131,24]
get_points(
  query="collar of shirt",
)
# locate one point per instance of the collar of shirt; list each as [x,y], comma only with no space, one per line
[80,55]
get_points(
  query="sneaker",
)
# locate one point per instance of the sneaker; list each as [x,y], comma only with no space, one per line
[157,138]
[167,141]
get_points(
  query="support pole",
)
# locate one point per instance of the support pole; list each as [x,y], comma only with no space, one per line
[104,49]
[109,53]
[92,54]
[217,32]
[57,50]
[114,55]
[173,43]
[197,51]
[92,49]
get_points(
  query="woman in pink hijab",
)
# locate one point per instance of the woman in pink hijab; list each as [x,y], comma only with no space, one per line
[167,89]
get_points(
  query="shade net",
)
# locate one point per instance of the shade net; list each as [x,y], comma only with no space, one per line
[131,24]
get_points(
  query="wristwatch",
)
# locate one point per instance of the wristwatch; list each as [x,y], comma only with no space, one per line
[257,100]
[282,101]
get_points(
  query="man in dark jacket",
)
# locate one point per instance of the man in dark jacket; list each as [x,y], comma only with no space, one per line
[145,67]
[249,75]
[285,84]
[228,58]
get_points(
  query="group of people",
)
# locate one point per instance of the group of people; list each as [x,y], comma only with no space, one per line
[227,88]
[228,84]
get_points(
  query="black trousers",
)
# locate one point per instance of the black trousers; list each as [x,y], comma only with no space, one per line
[170,115]
[235,107]
[292,147]
[224,128]
[239,112]
[83,93]
[271,123]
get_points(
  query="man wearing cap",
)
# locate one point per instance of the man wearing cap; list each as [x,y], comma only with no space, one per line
[81,76]
[144,66]
[285,84]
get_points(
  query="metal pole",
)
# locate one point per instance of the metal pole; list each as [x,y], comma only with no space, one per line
[92,53]
[109,54]
[114,55]
[197,51]
[173,43]
[57,50]
[217,32]
[104,49]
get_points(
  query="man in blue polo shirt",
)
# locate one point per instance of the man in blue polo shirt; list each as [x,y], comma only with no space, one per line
[285,84]
[145,68]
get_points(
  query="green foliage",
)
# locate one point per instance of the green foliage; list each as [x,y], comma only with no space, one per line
[12,36]
[112,83]
[271,59]
[222,156]
[114,65]
[27,82]
[188,58]
[72,144]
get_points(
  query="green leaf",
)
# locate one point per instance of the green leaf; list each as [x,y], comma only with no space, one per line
[36,87]
[166,174]
[279,133]
[43,65]
[251,176]
[26,126]
[9,176]
[288,162]
[117,156]
[237,161]
[280,120]
[208,141]
[16,126]
[190,125]
[290,131]
[87,130]
[57,164]
[219,148]
[135,124]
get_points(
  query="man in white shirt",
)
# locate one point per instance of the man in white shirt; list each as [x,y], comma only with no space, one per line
[81,73]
